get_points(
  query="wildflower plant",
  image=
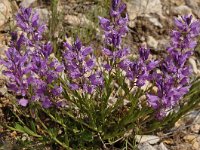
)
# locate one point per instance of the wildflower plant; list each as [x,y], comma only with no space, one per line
[99,100]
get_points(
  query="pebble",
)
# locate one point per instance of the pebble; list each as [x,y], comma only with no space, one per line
[195,128]
[5,12]
[145,146]
[194,65]
[3,90]
[162,146]
[152,42]
[151,139]
[27,3]
[181,10]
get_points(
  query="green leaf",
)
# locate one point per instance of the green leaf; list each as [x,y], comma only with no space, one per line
[24,129]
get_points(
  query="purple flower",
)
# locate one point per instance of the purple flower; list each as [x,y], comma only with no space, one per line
[114,30]
[173,79]
[23,102]
[80,61]
[29,67]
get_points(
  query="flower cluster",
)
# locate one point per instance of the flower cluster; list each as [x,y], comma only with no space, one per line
[34,72]
[139,71]
[46,73]
[80,65]
[114,30]
[28,21]
[30,69]
[173,81]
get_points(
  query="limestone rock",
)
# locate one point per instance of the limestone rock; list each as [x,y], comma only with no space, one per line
[194,5]
[151,139]
[137,8]
[79,20]
[27,3]
[5,12]
[145,146]
[181,10]
[161,146]
[43,14]
[192,61]
[152,42]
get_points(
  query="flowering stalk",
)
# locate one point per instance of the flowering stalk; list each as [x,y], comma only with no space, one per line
[30,69]
[80,66]
[114,30]
[173,81]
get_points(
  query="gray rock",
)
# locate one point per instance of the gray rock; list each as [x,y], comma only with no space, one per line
[181,10]
[152,42]
[145,146]
[161,146]
[137,8]
[194,5]
[192,61]
[5,12]
[3,90]
[193,115]
[79,20]
[151,139]
[27,3]
[155,21]
[43,13]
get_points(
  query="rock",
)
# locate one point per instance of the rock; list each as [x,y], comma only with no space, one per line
[155,21]
[181,10]
[43,14]
[194,65]
[137,8]
[27,3]
[143,8]
[152,42]
[195,128]
[196,146]
[194,5]
[178,2]
[5,12]
[151,139]
[190,137]
[145,146]
[161,146]
[3,90]
[79,20]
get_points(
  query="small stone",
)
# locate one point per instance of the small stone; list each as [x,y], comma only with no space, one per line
[43,14]
[24,138]
[190,137]
[161,146]
[27,3]
[151,41]
[181,10]
[177,2]
[195,128]
[196,145]
[3,90]
[145,146]
[143,7]
[5,12]
[151,139]
[194,65]
[155,21]
[192,3]
[76,20]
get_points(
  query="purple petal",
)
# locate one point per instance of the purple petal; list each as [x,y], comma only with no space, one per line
[23,102]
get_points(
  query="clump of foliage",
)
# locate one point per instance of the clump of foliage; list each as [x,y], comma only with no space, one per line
[79,100]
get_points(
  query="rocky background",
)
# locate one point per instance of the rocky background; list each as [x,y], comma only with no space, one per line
[150,24]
